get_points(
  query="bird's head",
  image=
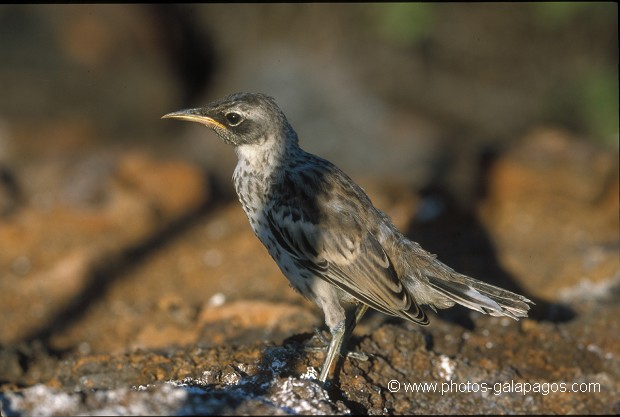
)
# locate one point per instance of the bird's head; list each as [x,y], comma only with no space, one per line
[240,119]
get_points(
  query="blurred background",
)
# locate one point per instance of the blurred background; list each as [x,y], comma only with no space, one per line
[406,82]
[487,131]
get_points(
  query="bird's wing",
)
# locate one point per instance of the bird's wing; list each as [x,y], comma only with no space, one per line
[325,231]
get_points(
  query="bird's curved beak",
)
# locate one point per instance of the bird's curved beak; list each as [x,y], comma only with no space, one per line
[195,115]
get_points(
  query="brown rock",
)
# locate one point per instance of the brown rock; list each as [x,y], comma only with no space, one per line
[552,210]
[52,259]
[171,188]
[273,320]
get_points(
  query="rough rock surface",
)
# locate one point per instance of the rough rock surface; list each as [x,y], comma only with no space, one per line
[127,316]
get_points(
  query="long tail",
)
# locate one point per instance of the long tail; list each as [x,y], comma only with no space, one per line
[480,296]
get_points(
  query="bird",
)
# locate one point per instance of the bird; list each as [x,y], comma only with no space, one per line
[321,228]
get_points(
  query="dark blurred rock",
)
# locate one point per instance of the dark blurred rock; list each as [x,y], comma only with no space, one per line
[10,192]
[26,364]
[107,67]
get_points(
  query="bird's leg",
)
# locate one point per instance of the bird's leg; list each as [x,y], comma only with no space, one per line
[324,343]
[340,335]
[359,313]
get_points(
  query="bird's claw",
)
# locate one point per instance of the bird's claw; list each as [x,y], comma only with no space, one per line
[360,356]
[324,345]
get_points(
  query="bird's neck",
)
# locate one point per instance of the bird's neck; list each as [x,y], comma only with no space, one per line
[266,158]
[258,168]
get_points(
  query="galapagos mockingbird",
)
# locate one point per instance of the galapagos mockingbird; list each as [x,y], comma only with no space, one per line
[334,246]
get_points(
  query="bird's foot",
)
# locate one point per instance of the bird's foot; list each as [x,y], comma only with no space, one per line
[318,342]
[323,345]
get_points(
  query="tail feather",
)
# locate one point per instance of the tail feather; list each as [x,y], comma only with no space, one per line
[481,296]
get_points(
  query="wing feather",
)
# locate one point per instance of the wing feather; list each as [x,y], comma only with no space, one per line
[324,232]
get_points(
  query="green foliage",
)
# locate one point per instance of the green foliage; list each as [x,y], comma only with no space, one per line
[587,103]
[556,15]
[404,23]
[598,94]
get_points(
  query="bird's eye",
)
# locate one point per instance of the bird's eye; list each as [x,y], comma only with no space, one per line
[234,119]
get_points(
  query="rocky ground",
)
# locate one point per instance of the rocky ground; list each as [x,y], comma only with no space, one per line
[150,298]
[131,284]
